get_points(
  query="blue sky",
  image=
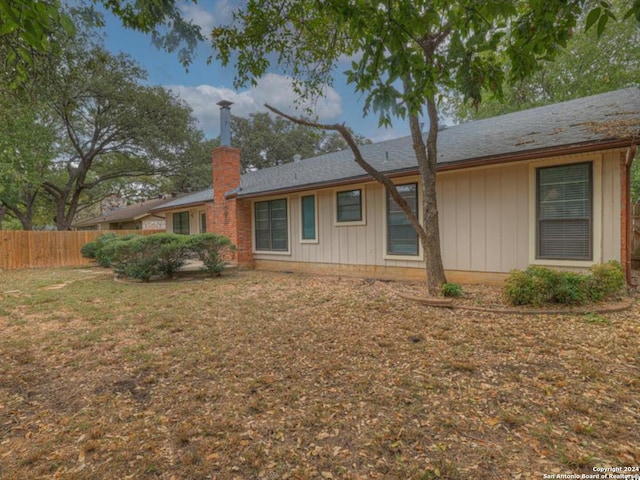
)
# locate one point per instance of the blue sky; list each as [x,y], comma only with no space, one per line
[205,85]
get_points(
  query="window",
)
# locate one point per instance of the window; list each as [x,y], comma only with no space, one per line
[349,206]
[271,225]
[181,223]
[308,212]
[402,238]
[564,212]
[203,223]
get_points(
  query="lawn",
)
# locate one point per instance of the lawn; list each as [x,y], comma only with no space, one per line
[260,375]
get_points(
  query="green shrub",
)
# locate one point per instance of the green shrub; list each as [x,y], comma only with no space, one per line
[106,245]
[451,290]
[537,286]
[570,289]
[607,281]
[210,250]
[533,286]
[88,250]
[159,255]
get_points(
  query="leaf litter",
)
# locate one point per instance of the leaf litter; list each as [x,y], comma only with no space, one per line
[269,375]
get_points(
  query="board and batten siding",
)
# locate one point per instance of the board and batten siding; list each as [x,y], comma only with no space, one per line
[485,219]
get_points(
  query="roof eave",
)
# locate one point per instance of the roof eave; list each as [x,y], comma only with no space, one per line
[535,154]
[183,206]
[540,153]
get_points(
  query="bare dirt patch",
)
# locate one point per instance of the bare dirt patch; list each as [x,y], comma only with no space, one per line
[265,375]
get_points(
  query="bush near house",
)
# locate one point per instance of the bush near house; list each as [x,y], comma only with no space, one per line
[211,249]
[538,286]
[158,256]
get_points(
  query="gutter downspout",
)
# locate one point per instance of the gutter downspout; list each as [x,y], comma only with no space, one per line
[631,153]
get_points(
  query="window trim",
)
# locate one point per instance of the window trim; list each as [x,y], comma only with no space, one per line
[315,215]
[202,215]
[173,223]
[253,227]
[596,211]
[385,244]
[363,209]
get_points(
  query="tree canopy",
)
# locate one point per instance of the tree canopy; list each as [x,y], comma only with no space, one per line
[577,71]
[404,57]
[32,29]
[87,124]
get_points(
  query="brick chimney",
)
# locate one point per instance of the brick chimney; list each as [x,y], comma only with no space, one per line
[228,215]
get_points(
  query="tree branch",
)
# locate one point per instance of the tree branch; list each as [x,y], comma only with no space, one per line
[355,149]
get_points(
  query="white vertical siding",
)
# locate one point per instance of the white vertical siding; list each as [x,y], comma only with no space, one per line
[611,221]
[485,223]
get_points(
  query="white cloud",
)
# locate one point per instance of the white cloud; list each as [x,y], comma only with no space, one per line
[273,89]
[219,14]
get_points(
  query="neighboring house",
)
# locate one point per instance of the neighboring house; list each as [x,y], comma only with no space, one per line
[546,186]
[187,214]
[133,217]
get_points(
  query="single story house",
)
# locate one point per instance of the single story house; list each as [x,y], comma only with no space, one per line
[187,214]
[546,186]
[132,217]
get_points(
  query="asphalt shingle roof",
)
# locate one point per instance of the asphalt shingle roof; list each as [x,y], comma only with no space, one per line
[196,198]
[128,213]
[596,119]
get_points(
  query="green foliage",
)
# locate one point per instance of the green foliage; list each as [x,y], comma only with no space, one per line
[210,250]
[575,71]
[451,290]
[106,245]
[89,123]
[594,318]
[159,255]
[89,250]
[539,286]
[607,281]
[533,286]
[30,30]
[571,289]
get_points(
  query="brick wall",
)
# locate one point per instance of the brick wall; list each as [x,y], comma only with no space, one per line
[230,217]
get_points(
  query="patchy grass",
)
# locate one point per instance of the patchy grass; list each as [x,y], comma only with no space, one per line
[275,376]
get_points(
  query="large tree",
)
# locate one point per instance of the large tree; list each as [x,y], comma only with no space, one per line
[112,127]
[84,124]
[405,54]
[27,148]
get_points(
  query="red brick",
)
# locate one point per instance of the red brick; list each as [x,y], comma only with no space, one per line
[229,216]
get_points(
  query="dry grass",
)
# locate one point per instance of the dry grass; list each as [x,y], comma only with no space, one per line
[268,376]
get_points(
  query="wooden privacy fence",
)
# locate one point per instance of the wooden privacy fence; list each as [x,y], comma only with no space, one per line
[29,249]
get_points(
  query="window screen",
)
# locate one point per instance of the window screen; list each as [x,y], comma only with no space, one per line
[564,212]
[402,238]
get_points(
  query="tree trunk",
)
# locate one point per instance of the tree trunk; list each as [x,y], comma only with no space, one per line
[427,159]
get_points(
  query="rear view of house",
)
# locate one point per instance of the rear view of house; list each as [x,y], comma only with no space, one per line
[547,186]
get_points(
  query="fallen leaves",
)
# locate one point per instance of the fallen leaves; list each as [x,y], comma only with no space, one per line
[264,375]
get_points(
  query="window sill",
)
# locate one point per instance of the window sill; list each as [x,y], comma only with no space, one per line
[272,252]
[562,263]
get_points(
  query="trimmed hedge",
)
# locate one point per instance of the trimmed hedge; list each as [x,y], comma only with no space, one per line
[538,286]
[158,256]
[211,250]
